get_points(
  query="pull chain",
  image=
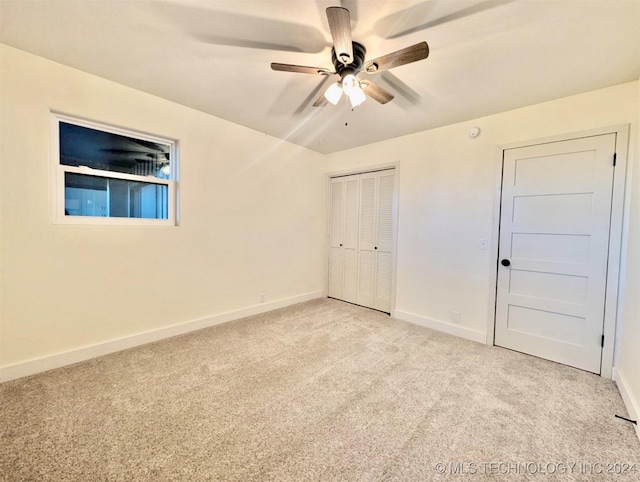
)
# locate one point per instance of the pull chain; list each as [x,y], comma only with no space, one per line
[346,111]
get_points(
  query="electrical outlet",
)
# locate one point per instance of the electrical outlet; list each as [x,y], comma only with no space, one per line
[455,316]
[262,298]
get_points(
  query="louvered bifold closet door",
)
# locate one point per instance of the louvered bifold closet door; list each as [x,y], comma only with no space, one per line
[336,228]
[367,237]
[350,239]
[384,243]
[361,239]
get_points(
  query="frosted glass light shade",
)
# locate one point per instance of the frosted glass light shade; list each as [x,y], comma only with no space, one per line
[333,93]
[350,83]
[166,170]
[357,97]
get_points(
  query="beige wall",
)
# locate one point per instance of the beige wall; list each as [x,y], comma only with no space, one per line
[251,210]
[447,193]
[628,366]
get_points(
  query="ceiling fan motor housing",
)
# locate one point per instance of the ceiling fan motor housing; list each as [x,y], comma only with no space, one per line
[354,67]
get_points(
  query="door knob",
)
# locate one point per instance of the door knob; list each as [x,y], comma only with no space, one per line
[340,244]
[505,262]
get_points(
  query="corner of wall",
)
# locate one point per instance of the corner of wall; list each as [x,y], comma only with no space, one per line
[631,403]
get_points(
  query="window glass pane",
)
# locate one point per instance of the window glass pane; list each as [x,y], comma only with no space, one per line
[105,197]
[82,146]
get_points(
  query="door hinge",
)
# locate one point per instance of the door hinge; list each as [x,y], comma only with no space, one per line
[615,154]
[602,342]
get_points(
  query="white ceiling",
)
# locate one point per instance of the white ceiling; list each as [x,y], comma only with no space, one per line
[486,56]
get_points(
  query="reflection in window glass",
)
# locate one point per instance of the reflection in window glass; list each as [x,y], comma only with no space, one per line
[82,146]
[100,196]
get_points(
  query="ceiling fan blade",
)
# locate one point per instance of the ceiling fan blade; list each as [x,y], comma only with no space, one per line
[321,87]
[396,59]
[206,23]
[352,6]
[252,44]
[375,91]
[135,145]
[321,101]
[340,25]
[394,26]
[399,87]
[301,69]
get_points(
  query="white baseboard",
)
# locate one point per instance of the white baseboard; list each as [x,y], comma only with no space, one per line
[629,399]
[450,328]
[58,360]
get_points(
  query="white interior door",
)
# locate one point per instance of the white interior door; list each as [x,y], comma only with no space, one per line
[554,237]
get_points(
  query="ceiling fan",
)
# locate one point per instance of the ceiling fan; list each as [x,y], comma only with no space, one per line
[348,59]
[129,152]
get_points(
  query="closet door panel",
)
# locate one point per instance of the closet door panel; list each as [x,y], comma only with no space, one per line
[384,240]
[382,299]
[367,236]
[365,278]
[350,239]
[335,273]
[335,238]
[337,210]
[367,210]
[385,211]
[350,283]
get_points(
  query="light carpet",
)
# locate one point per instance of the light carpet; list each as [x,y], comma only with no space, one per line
[320,391]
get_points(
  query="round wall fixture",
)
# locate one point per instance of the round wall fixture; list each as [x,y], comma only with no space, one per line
[474,132]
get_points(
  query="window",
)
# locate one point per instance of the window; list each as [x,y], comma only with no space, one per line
[107,175]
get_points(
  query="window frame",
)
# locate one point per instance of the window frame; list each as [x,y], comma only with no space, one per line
[58,176]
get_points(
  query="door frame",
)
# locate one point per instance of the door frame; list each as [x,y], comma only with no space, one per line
[394,222]
[617,239]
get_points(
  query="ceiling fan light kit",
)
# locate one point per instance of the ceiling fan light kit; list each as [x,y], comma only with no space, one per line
[357,97]
[334,93]
[348,58]
[350,85]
